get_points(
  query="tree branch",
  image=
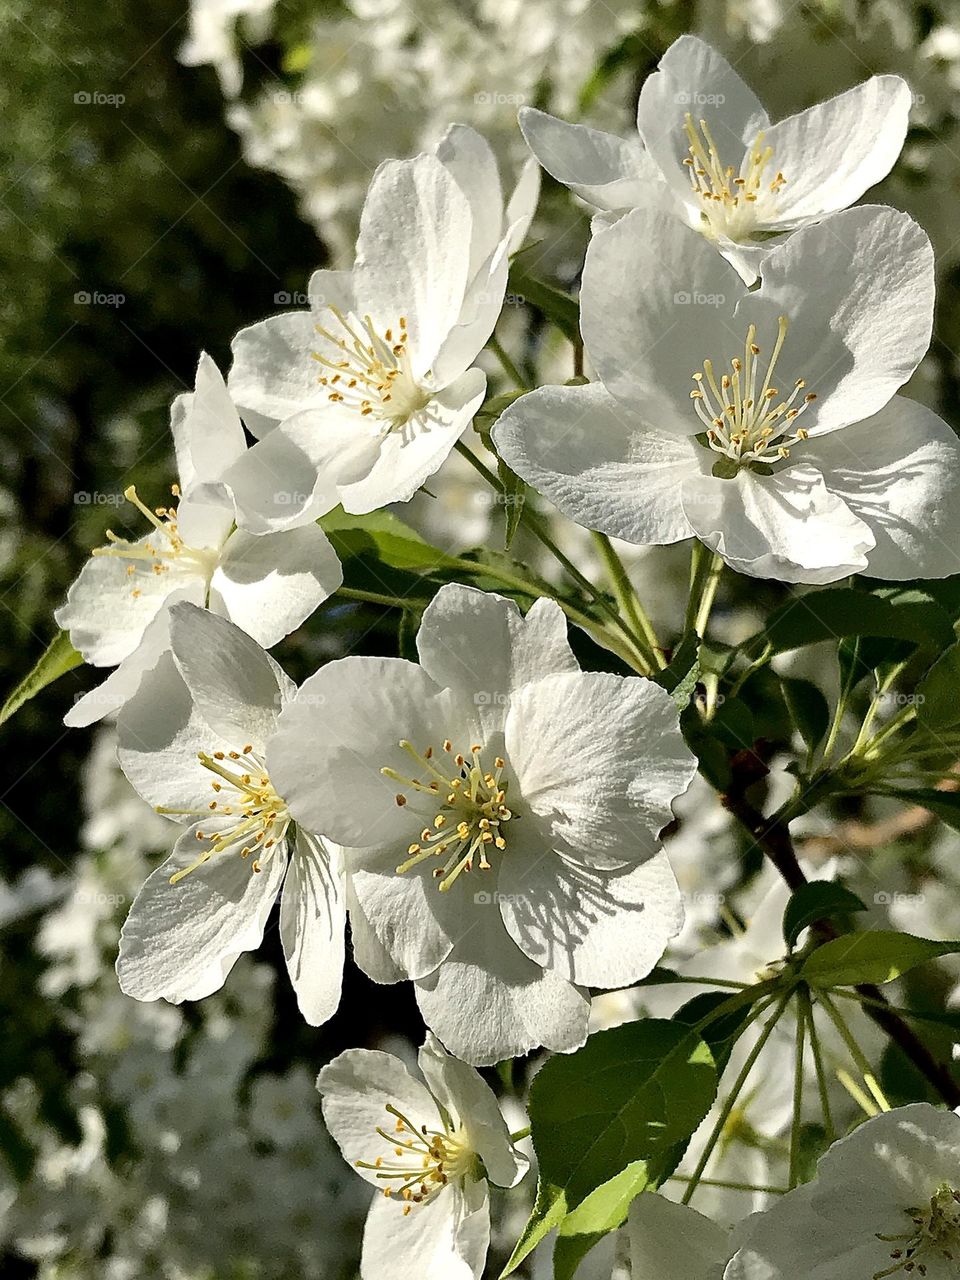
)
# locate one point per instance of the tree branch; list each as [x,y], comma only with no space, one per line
[773,837]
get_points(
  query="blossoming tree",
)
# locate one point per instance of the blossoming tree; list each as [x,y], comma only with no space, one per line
[488,809]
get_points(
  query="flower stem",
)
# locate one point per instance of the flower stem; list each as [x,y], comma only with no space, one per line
[705,570]
[509,368]
[856,1053]
[806,1010]
[797,1125]
[627,597]
[520,1134]
[731,1099]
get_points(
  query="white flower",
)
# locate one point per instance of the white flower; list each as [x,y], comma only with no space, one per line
[429,1150]
[373,386]
[885,1202]
[193,742]
[504,809]
[718,410]
[707,150]
[674,1242]
[268,586]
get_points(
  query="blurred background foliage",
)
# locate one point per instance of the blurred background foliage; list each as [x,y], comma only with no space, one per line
[148,210]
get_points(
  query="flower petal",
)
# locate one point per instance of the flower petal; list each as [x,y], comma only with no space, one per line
[411,453]
[465,1094]
[181,940]
[899,471]
[289,478]
[446,1239]
[786,526]
[273,372]
[647,343]
[596,928]
[470,638]
[356,1088]
[106,620]
[469,158]
[598,463]
[333,740]
[121,684]
[857,290]
[312,922]
[160,733]
[411,259]
[606,171]
[269,585]
[236,687]
[487,1001]
[695,80]
[675,1242]
[599,759]
[835,151]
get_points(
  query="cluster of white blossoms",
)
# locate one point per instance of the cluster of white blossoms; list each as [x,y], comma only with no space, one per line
[489,817]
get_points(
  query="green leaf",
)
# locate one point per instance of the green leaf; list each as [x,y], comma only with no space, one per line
[557,307]
[732,723]
[943,804]
[602,1212]
[938,707]
[818,900]
[59,658]
[679,677]
[878,956]
[808,709]
[513,497]
[381,534]
[628,1096]
[838,612]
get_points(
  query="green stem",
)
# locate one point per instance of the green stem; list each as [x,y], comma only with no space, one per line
[856,1053]
[535,524]
[731,1099]
[628,599]
[806,1011]
[797,1125]
[839,711]
[374,597]
[509,368]
[520,1134]
[732,1186]
[705,570]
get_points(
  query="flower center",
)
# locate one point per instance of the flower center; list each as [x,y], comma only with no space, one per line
[935,1233]
[732,204]
[748,421]
[159,553]
[243,793]
[422,1161]
[370,372]
[470,816]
